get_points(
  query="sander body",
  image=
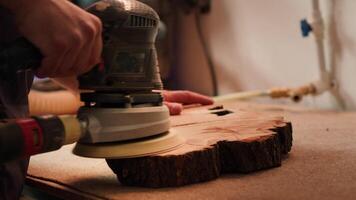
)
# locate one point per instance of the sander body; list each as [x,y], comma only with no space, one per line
[122,116]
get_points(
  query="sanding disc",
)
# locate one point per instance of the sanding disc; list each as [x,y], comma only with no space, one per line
[131,149]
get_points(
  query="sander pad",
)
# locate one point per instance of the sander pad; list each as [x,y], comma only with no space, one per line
[133,148]
[114,133]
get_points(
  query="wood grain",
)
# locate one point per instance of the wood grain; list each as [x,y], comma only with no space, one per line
[217,141]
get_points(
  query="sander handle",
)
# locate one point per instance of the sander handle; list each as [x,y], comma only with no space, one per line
[21,138]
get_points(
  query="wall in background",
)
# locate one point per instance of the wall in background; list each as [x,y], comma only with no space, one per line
[257,44]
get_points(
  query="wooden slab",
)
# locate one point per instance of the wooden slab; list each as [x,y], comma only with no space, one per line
[241,141]
[320,166]
[235,142]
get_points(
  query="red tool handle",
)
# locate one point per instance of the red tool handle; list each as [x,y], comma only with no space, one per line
[30,136]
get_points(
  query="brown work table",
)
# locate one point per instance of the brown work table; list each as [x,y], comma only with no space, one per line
[321,165]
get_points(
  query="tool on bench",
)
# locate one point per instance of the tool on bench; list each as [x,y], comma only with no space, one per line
[122,116]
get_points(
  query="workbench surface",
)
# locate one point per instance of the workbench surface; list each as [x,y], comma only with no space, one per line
[321,165]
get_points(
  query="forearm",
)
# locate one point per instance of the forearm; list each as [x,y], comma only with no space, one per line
[8,30]
[10,4]
[14,5]
[68,37]
[17,6]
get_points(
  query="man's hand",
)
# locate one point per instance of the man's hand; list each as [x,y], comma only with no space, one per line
[68,37]
[174,100]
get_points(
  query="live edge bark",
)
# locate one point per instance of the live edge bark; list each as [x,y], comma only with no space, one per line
[207,163]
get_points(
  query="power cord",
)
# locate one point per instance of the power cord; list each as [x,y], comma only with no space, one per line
[207,53]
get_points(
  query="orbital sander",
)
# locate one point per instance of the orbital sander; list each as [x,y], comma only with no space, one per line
[122,116]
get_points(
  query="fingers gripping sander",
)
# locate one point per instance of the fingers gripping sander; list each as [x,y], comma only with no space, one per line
[121,116]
